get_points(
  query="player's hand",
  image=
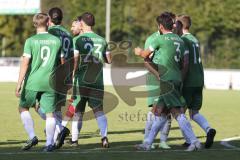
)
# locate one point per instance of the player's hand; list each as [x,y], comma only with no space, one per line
[18,91]
[138,51]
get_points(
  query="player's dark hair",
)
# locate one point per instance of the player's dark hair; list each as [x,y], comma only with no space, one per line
[56,15]
[165,20]
[79,18]
[88,19]
[172,15]
[186,21]
[40,20]
[178,29]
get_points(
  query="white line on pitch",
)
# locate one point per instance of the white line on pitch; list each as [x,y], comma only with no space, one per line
[225,142]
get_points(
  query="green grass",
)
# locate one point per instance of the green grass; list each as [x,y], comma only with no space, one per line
[221,108]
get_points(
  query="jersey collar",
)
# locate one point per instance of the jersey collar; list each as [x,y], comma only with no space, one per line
[168,32]
[42,32]
[186,33]
[89,32]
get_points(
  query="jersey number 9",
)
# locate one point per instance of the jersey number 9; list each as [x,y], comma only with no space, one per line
[45,54]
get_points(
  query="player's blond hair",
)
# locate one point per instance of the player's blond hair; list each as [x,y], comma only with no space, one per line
[186,21]
[40,20]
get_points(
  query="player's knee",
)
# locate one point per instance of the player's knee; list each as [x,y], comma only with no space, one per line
[49,115]
[159,110]
[97,109]
[183,110]
[193,112]
[99,114]
[153,109]
[21,109]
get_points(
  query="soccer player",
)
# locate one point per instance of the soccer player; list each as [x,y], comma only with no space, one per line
[92,50]
[172,48]
[75,28]
[56,29]
[194,81]
[152,83]
[41,53]
[76,124]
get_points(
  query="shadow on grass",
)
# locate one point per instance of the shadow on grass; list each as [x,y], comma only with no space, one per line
[114,146]
[118,151]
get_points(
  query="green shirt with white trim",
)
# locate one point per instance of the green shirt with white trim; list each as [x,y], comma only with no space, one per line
[172,49]
[44,50]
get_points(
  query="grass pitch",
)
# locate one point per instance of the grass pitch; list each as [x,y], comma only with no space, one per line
[126,125]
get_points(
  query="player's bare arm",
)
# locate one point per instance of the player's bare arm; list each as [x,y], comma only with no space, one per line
[108,57]
[76,61]
[63,60]
[22,74]
[142,53]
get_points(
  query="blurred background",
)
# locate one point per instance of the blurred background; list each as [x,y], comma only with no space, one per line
[214,22]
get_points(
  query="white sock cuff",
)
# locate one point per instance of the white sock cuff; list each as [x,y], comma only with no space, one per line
[181,116]
[25,114]
[51,118]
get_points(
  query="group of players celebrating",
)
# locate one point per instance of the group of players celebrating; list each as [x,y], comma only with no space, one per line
[172,55]
[53,62]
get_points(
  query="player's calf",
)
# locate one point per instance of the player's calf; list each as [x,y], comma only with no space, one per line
[203,123]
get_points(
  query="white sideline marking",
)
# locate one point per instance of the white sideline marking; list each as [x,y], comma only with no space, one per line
[225,142]
[104,151]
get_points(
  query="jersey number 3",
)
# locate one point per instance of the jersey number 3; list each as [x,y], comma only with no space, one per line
[178,52]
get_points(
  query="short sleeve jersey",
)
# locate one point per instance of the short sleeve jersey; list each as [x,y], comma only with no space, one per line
[172,49]
[44,51]
[66,40]
[91,48]
[150,40]
[195,75]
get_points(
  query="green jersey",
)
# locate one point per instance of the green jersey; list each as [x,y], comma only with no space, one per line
[150,40]
[172,49]
[92,49]
[66,40]
[195,76]
[44,50]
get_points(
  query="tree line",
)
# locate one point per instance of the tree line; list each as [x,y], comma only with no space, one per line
[214,22]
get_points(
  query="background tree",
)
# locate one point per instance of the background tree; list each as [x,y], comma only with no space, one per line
[215,23]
